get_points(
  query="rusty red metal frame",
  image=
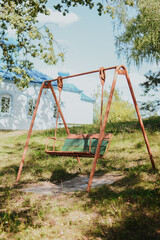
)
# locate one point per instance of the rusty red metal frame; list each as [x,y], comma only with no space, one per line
[102,76]
[121,69]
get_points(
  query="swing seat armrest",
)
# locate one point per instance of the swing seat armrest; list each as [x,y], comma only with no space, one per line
[55,139]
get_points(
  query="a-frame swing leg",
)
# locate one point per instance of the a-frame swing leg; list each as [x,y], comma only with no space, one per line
[44,85]
[59,108]
[102,130]
[29,132]
[120,71]
[140,119]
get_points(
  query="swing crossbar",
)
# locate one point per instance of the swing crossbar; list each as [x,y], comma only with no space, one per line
[82,145]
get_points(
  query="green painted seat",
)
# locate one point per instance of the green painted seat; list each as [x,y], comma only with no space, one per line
[86,143]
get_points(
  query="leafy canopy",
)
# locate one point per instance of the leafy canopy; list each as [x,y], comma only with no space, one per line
[151,86]
[31,41]
[140,42]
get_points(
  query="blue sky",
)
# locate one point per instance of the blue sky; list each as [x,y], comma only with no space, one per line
[88,43]
[87,40]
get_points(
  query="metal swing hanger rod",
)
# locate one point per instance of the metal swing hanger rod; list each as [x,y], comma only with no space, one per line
[81,74]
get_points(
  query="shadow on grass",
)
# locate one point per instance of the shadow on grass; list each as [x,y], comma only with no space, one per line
[38,164]
[142,168]
[16,221]
[131,212]
[135,210]
[12,169]
[61,174]
[139,226]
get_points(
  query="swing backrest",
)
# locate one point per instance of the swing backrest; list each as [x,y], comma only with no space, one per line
[86,143]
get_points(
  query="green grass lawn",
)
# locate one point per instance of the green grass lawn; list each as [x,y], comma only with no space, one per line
[128,209]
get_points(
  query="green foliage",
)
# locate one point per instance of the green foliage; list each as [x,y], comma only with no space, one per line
[151,85]
[111,7]
[31,41]
[120,110]
[140,40]
[64,5]
[153,81]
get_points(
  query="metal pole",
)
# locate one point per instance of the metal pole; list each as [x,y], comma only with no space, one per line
[59,108]
[101,108]
[102,77]
[82,74]
[102,129]
[140,119]
[29,132]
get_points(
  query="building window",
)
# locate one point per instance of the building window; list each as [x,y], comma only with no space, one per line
[55,110]
[31,106]
[5,104]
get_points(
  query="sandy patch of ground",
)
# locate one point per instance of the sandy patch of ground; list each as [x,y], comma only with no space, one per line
[76,184]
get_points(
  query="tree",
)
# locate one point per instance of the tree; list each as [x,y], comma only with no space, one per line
[140,41]
[120,110]
[151,84]
[33,41]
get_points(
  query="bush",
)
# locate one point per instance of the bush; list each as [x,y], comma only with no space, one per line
[120,110]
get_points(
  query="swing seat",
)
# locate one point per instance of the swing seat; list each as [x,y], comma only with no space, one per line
[82,145]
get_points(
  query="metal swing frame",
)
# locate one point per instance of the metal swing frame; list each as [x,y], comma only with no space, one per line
[75,151]
[119,70]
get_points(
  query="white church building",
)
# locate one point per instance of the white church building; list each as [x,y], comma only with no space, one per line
[17,107]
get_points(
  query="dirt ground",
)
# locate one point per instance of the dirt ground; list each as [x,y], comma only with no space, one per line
[78,183]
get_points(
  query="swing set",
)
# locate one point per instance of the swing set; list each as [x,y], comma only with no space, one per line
[93,145]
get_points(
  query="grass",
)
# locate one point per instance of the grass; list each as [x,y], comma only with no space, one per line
[127,209]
